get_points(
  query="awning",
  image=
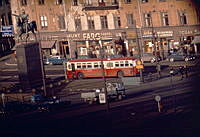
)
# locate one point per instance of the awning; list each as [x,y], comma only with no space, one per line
[196,40]
[47,44]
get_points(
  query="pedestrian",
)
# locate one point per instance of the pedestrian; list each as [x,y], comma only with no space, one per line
[186,71]
[181,70]
[171,71]
[159,70]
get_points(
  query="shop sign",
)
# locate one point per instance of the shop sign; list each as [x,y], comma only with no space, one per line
[131,35]
[148,34]
[7,31]
[165,33]
[185,32]
[97,36]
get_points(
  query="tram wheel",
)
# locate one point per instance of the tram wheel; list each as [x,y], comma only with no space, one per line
[120,74]
[80,76]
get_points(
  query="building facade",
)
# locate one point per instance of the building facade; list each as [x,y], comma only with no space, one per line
[6,38]
[81,28]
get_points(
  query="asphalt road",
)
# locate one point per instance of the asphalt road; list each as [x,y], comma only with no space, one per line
[136,115]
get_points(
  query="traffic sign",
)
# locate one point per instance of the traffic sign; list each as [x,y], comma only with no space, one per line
[157,98]
[102,98]
[7,31]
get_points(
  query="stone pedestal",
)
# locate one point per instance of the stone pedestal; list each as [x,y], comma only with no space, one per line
[29,65]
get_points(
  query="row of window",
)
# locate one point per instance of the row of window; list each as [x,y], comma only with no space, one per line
[87,2]
[117,21]
[95,65]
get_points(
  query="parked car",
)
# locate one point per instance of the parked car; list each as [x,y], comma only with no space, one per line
[180,57]
[54,60]
[147,57]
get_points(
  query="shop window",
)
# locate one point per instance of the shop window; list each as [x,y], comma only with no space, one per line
[183,18]
[75,2]
[165,19]
[101,2]
[130,21]
[88,2]
[59,2]
[43,21]
[41,2]
[127,1]
[117,21]
[104,23]
[78,23]
[83,51]
[90,22]
[23,2]
[114,2]
[144,1]
[147,19]
[61,22]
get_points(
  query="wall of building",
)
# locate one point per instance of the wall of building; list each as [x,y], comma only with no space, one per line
[173,32]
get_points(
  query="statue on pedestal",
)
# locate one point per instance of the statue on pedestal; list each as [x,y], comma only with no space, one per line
[24,26]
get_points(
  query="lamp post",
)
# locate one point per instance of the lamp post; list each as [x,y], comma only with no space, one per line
[103,75]
[154,43]
[139,43]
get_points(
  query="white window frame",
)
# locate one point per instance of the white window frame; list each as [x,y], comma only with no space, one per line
[43,21]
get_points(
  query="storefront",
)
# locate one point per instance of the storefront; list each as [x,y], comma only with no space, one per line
[93,44]
[170,38]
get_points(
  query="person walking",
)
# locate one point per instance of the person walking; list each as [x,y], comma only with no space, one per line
[159,70]
[186,71]
[181,70]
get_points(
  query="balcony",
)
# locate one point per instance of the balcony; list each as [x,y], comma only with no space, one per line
[100,6]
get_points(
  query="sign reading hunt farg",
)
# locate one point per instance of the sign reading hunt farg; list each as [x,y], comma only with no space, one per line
[7,31]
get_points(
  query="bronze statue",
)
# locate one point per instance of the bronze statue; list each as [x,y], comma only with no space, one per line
[24,26]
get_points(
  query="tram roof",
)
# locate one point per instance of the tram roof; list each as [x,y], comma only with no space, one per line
[104,59]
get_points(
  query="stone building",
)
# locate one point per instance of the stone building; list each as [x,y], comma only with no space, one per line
[6,36]
[82,28]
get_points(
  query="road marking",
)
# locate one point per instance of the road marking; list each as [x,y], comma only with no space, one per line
[56,75]
[10,64]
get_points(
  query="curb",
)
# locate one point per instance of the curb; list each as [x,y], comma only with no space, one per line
[5,57]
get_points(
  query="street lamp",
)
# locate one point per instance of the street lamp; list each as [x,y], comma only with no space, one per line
[171,82]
